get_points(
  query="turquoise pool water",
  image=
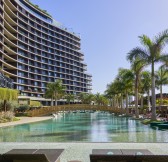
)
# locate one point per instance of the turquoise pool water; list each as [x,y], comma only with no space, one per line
[84,127]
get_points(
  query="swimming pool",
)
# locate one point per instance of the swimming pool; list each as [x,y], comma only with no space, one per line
[84,127]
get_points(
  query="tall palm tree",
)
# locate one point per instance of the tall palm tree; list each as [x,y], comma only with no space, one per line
[49,92]
[152,53]
[55,91]
[109,94]
[118,86]
[126,76]
[137,66]
[146,84]
[161,79]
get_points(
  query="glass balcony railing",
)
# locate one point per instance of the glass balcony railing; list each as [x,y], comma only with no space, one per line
[35,13]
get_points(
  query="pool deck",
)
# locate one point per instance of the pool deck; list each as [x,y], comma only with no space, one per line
[24,120]
[81,151]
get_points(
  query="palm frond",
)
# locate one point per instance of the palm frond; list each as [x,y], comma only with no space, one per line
[137,53]
[139,64]
[161,39]
[163,58]
[146,41]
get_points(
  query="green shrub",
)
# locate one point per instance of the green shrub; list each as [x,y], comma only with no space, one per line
[146,121]
[37,7]
[6,116]
[23,108]
[165,101]
[35,104]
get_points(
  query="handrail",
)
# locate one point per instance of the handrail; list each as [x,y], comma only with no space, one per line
[54,109]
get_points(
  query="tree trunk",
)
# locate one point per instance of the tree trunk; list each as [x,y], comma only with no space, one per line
[149,104]
[56,101]
[127,110]
[136,97]
[121,104]
[142,101]
[153,117]
[111,102]
[5,105]
[161,96]
[115,102]
[52,101]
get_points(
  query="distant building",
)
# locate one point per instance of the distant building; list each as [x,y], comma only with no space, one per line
[165,95]
[35,49]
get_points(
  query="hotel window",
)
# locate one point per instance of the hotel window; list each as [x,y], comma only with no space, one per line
[43,85]
[21,81]
[35,83]
[20,87]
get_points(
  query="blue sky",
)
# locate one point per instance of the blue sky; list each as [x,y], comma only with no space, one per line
[109,30]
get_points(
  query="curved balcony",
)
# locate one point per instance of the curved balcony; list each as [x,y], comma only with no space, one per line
[9,11]
[6,56]
[9,27]
[8,3]
[8,49]
[8,65]
[11,21]
[9,74]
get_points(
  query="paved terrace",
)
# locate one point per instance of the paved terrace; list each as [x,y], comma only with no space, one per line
[24,120]
[81,151]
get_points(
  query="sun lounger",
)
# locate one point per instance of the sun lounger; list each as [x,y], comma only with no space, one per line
[106,152]
[112,158]
[136,152]
[126,155]
[128,158]
[25,158]
[121,151]
[33,155]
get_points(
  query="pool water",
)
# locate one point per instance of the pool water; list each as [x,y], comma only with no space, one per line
[84,127]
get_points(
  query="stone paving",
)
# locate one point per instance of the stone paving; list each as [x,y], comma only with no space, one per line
[81,151]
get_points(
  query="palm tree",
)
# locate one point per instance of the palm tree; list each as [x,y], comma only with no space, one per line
[161,79]
[82,97]
[137,66]
[126,76]
[89,98]
[146,84]
[69,98]
[109,93]
[98,98]
[152,53]
[86,98]
[101,99]
[49,92]
[55,90]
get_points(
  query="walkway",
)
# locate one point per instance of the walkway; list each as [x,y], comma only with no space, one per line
[24,120]
[81,151]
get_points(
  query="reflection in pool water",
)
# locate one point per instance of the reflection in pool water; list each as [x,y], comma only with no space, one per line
[84,127]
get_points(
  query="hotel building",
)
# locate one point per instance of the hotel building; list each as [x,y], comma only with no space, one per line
[35,49]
